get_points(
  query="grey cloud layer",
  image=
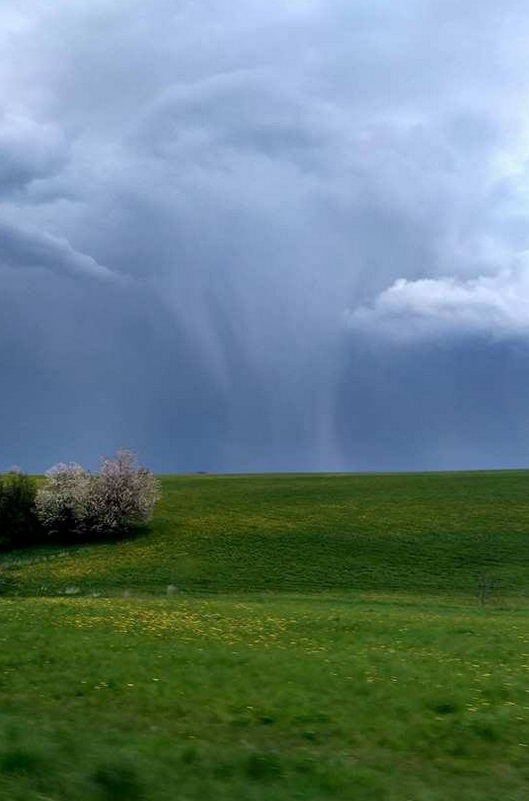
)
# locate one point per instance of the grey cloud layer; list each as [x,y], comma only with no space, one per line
[212,222]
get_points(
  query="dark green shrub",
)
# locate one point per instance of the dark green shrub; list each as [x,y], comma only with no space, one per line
[19,525]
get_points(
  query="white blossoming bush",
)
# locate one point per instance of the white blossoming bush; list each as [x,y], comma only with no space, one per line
[62,501]
[122,495]
[74,504]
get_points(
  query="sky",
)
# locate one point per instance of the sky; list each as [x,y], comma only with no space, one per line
[265,236]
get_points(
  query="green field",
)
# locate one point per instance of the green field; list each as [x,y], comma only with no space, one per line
[324,637]
[412,533]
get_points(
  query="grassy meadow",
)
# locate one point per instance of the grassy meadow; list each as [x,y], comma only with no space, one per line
[322,637]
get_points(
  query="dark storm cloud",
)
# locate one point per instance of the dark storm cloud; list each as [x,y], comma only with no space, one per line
[289,236]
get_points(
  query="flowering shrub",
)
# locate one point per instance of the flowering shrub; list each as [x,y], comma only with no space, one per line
[121,495]
[76,504]
[62,501]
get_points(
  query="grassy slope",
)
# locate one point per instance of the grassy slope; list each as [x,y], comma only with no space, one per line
[377,676]
[413,533]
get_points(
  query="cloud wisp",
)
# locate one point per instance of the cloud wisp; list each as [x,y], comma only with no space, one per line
[494,306]
[31,248]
